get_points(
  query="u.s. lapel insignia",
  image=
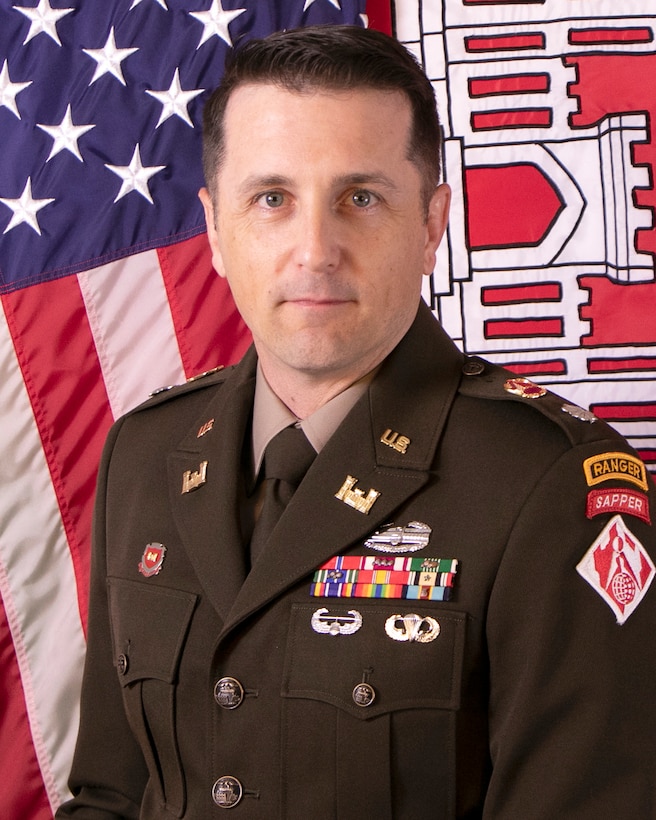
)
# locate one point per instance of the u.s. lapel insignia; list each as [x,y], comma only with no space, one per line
[326,624]
[355,497]
[412,627]
[392,539]
[152,559]
[192,481]
[205,428]
[395,441]
[618,568]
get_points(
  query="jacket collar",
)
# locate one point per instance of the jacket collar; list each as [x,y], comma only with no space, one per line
[386,444]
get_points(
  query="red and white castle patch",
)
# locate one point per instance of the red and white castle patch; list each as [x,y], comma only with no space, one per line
[618,567]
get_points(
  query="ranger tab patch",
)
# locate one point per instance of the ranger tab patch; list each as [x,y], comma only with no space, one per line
[607,466]
[618,567]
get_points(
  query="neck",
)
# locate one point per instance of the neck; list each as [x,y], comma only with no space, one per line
[304,393]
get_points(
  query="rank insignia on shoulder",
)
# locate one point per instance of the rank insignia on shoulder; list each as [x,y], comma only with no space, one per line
[618,500]
[579,413]
[325,623]
[204,373]
[607,466]
[152,559]
[524,388]
[392,539]
[372,576]
[618,568]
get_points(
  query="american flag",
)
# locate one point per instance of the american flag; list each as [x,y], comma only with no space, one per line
[106,284]
[107,293]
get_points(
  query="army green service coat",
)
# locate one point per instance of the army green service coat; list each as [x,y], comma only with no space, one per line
[208,687]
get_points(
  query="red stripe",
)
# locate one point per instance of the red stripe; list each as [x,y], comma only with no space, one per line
[22,794]
[510,84]
[636,365]
[518,294]
[57,357]
[512,118]
[599,36]
[505,42]
[379,13]
[551,367]
[625,412]
[209,330]
[521,328]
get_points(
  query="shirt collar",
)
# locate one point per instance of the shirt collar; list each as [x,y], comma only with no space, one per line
[270,415]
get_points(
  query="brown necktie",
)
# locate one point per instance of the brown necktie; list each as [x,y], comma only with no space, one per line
[287,458]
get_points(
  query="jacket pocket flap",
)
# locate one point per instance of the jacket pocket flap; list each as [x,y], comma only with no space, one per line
[149,625]
[409,655]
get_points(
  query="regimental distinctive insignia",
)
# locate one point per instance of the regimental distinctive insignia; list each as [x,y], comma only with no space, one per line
[373,576]
[355,497]
[392,539]
[192,481]
[618,500]
[607,466]
[205,428]
[395,441]
[422,629]
[325,623]
[152,559]
[618,567]
[579,413]
[524,388]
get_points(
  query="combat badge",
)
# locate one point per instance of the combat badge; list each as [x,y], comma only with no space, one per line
[392,539]
[152,560]
[618,567]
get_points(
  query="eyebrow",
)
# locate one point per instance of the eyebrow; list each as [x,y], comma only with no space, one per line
[260,182]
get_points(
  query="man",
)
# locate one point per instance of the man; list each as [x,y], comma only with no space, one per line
[452,617]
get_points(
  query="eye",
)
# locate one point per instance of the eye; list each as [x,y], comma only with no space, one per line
[271,199]
[361,199]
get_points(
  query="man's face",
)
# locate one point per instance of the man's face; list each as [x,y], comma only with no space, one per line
[319,226]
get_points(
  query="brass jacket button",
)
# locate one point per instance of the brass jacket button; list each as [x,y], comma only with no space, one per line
[228,693]
[227,792]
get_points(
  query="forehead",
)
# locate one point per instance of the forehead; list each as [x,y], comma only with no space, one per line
[267,115]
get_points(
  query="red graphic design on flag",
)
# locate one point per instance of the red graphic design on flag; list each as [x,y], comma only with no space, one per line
[618,567]
[548,267]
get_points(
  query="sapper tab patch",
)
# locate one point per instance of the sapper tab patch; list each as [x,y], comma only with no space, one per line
[618,500]
[607,466]
[372,576]
[618,567]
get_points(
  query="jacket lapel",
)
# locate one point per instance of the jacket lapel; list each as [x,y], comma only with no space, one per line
[207,516]
[411,396]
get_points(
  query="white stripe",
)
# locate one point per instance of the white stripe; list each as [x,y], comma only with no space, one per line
[133,329]
[37,582]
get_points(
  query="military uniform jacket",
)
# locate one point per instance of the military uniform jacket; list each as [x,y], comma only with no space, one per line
[280,693]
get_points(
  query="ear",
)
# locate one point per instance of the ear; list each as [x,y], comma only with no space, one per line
[436,221]
[212,233]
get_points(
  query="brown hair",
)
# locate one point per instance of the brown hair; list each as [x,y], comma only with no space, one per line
[335,58]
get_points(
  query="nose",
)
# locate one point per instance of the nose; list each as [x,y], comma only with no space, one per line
[317,240]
